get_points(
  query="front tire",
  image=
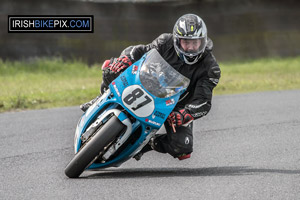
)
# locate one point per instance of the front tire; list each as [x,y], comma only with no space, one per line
[92,148]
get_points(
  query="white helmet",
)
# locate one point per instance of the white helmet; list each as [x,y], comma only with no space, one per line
[190,27]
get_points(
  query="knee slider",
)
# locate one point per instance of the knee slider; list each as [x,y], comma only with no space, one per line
[181,145]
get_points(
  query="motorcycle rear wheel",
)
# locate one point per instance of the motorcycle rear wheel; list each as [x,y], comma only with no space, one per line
[93,147]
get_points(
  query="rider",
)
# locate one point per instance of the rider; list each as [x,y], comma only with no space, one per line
[189,51]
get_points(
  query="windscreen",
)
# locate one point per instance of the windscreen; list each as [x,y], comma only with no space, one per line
[159,78]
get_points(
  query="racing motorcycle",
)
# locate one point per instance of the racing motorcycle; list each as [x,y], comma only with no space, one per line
[123,120]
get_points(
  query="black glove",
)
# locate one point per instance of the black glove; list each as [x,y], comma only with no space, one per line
[108,76]
[179,118]
[120,64]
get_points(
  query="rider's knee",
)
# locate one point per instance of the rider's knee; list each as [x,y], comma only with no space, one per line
[180,146]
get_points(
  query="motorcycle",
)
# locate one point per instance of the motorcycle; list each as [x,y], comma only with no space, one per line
[124,119]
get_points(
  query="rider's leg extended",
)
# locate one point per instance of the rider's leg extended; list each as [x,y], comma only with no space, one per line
[178,144]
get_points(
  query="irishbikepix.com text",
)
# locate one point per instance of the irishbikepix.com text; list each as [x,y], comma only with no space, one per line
[79,24]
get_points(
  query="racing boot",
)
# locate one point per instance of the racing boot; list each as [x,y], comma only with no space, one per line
[86,105]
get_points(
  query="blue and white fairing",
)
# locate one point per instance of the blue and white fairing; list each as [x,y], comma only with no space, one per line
[149,90]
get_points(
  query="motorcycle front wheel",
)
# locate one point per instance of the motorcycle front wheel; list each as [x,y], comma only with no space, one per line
[93,147]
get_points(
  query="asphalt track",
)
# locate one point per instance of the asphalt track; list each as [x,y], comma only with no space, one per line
[247,147]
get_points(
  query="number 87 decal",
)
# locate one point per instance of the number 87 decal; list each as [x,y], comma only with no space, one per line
[135,100]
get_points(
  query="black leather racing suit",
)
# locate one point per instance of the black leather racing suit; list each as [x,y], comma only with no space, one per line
[204,76]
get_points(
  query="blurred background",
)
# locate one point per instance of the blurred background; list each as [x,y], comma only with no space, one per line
[240,29]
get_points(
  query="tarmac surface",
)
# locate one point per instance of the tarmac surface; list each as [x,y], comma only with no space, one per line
[247,147]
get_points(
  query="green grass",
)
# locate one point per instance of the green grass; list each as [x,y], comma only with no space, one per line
[46,83]
[259,75]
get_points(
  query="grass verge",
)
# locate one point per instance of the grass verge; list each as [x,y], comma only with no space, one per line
[47,83]
[259,75]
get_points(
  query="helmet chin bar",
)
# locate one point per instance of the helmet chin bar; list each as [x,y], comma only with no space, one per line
[187,61]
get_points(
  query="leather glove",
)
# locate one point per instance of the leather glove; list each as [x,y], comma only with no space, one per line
[106,64]
[120,64]
[179,118]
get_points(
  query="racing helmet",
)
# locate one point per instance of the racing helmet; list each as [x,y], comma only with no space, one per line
[190,38]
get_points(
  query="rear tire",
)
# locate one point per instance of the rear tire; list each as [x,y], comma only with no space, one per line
[92,148]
